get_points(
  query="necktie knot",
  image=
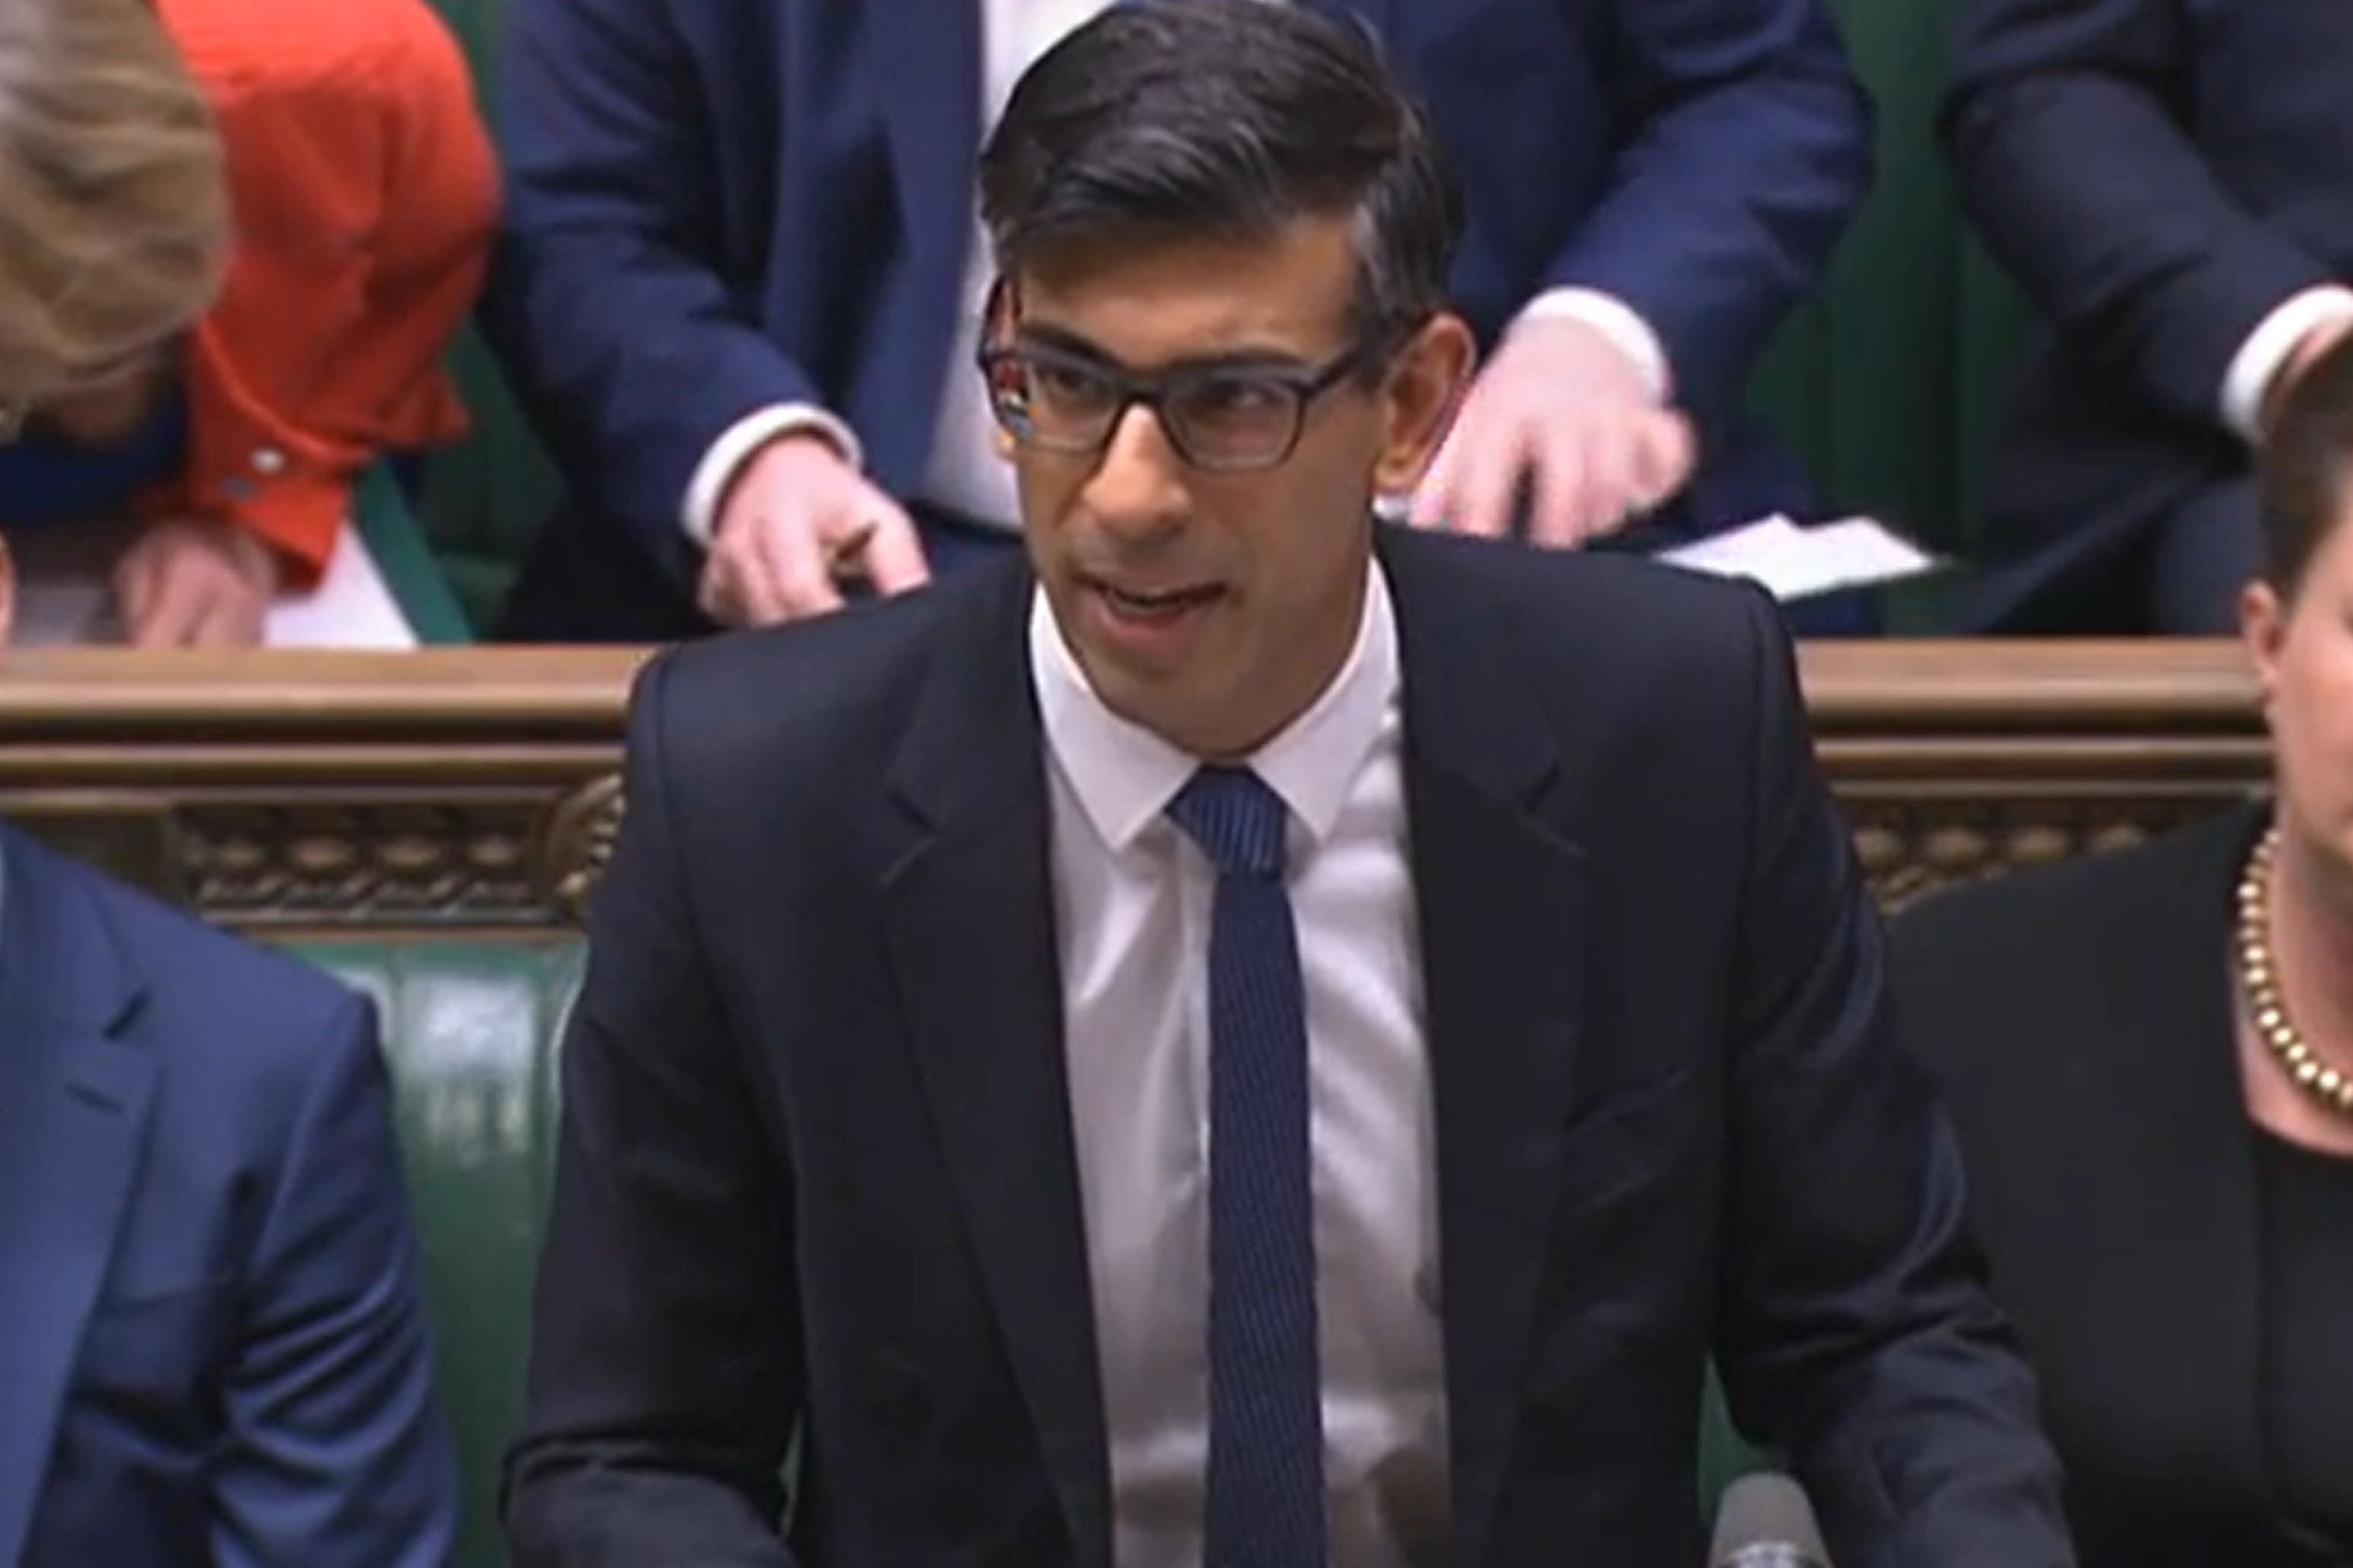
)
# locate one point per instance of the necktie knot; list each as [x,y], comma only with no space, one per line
[1236,818]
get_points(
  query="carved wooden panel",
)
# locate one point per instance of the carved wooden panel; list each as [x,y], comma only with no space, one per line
[475,788]
[480,788]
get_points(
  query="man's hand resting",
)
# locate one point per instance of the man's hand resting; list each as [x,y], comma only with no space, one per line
[798,523]
[1563,406]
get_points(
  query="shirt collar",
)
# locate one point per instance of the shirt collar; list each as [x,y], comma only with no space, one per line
[1124,775]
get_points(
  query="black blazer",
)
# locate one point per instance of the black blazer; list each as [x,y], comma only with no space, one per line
[817,1169]
[2158,174]
[2080,1020]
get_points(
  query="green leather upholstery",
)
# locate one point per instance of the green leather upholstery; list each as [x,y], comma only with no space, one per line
[469,1031]
[397,541]
[1891,383]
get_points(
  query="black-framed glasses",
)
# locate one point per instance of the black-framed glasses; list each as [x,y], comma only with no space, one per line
[1222,418]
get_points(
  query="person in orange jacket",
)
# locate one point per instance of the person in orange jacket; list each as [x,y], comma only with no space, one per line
[235,238]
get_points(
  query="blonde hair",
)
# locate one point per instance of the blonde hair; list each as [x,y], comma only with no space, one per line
[114,222]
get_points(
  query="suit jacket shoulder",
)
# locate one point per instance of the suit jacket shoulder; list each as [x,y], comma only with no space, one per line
[1610,624]
[822,704]
[260,1006]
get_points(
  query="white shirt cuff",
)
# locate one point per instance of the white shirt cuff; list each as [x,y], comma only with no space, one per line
[2248,383]
[736,446]
[1616,321]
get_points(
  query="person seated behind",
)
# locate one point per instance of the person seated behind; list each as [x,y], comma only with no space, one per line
[235,238]
[2172,185]
[2149,1055]
[1248,1037]
[213,1344]
[741,278]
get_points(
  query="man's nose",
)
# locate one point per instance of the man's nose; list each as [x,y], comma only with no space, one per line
[1138,484]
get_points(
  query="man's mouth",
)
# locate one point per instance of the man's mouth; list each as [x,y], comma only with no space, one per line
[1155,603]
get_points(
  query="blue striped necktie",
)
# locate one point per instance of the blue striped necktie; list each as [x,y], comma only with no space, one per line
[1264,1507]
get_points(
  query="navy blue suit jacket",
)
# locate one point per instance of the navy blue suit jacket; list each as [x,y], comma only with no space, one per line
[720,205]
[817,1175]
[213,1349]
[2158,174]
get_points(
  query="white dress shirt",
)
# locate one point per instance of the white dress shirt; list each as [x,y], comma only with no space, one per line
[968,472]
[1133,907]
[2248,382]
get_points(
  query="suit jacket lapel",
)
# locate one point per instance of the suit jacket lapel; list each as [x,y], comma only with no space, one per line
[969,907]
[73,1115]
[1500,890]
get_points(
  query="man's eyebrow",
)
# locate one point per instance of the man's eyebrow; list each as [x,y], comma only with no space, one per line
[1246,357]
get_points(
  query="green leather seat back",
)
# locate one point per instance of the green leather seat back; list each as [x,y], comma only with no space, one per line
[469,1032]
[1892,382]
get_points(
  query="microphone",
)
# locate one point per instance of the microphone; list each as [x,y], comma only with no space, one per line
[1765,1521]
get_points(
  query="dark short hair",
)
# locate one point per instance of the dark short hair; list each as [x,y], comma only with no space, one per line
[1226,118]
[2306,462]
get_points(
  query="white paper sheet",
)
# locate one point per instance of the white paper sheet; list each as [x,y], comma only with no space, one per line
[350,607]
[1794,562]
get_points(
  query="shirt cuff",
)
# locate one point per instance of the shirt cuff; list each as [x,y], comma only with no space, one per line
[2247,384]
[736,446]
[1616,321]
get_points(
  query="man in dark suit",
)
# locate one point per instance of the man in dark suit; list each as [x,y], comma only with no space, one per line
[741,278]
[213,1349]
[2172,184]
[1231,1045]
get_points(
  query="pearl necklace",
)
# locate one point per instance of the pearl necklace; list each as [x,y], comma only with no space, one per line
[2259,978]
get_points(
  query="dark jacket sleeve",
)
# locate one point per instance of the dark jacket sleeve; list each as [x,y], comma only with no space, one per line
[333,1452]
[608,302]
[1856,1333]
[1744,150]
[2066,128]
[665,1377]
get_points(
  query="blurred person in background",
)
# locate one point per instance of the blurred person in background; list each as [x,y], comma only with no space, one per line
[742,279]
[235,237]
[2148,1055]
[2171,184]
[213,1344]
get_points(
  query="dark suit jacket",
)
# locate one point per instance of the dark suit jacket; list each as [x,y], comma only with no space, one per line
[816,1168]
[212,1346]
[2080,1019]
[719,204]
[2158,174]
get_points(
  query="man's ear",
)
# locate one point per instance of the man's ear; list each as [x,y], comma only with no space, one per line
[1425,385]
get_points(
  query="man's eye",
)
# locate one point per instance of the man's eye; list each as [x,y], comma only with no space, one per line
[1234,397]
[1068,384]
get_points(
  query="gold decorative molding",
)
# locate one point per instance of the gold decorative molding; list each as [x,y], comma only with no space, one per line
[480,788]
[1959,760]
[300,793]
[580,843]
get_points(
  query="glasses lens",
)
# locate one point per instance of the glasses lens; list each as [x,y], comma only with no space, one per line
[1052,403]
[1233,419]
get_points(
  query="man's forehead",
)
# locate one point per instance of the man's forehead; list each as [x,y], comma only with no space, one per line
[1146,299]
